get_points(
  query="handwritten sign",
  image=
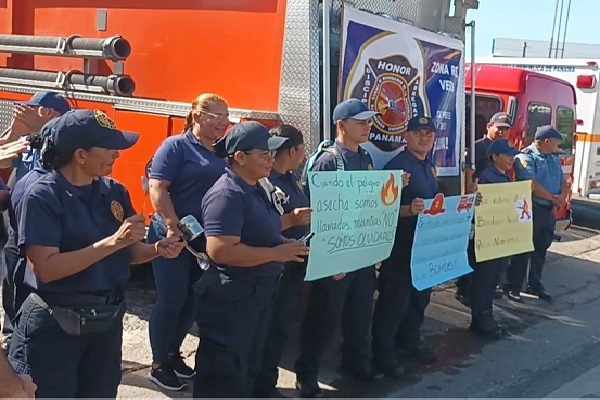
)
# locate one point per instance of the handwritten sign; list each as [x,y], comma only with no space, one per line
[354,219]
[504,221]
[439,251]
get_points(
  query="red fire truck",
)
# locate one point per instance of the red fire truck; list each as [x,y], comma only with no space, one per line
[531,99]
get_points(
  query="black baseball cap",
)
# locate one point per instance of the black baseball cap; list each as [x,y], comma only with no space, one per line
[247,136]
[500,120]
[548,132]
[352,109]
[419,123]
[502,146]
[83,129]
[49,100]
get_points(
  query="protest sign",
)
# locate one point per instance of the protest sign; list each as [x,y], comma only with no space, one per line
[354,219]
[504,221]
[439,251]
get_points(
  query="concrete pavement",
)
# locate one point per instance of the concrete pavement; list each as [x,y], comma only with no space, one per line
[552,349]
[548,348]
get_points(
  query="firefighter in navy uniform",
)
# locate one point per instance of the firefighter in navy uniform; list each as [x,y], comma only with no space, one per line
[540,163]
[347,297]
[486,274]
[399,310]
[79,234]
[497,128]
[243,239]
[295,222]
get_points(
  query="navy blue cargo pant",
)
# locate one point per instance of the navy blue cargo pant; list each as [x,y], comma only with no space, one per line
[399,310]
[232,313]
[286,309]
[544,223]
[348,301]
[62,365]
[485,278]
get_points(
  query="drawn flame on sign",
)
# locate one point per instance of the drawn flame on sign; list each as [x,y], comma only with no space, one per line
[389,192]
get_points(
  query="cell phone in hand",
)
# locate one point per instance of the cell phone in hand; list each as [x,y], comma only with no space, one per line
[306,237]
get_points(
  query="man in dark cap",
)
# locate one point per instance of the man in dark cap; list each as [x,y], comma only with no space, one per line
[540,163]
[400,308]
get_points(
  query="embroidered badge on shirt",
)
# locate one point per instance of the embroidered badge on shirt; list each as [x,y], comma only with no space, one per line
[117,210]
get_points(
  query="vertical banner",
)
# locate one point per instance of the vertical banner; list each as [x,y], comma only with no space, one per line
[504,221]
[354,220]
[439,251]
[402,71]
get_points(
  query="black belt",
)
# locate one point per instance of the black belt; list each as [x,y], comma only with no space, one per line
[245,276]
[77,299]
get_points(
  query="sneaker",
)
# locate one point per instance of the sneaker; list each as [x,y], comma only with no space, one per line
[514,295]
[181,369]
[423,354]
[485,325]
[165,377]
[309,389]
[363,374]
[541,294]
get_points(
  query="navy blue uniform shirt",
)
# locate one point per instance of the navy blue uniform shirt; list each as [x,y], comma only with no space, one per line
[232,207]
[353,161]
[54,213]
[191,168]
[19,189]
[423,183]
[297,199]
[481,147]
[493,175]
[544,168]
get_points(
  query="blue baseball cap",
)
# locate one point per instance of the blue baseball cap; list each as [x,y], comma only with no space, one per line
[247,136]
[352,109]
[51,100]
[502,146]
[419,123]
[500,120]
[84,129]
[548,132]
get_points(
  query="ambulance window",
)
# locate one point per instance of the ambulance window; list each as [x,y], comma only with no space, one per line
[538,114]
[565,122]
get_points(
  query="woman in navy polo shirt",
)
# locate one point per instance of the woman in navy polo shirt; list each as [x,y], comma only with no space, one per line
[295,223]
[183,169]
[80,234]
[244,241]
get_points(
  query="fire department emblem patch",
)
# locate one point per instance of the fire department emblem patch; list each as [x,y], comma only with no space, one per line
[389,86]
[103,120]
[117,210]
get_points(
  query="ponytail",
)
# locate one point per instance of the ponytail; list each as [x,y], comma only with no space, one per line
[51,159]
[189,122]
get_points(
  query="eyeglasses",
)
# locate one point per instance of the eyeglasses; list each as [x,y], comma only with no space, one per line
[265,155]
[218,117]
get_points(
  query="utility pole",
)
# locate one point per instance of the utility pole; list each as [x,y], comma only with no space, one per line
[553,26]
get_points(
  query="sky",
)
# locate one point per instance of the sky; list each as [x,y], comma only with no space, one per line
[530,20]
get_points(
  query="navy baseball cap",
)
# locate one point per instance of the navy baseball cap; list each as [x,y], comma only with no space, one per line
[352,109]
[83,129]
[419,123]
[49,100]
[548,132]
[502,146]
[500,120]
[247,136]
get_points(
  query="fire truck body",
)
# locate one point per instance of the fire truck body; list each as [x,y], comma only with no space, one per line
[584,75]
[264,56]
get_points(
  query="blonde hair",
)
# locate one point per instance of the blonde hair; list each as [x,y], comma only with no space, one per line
[201,104]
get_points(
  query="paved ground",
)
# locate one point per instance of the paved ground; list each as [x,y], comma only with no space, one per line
[552,350]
